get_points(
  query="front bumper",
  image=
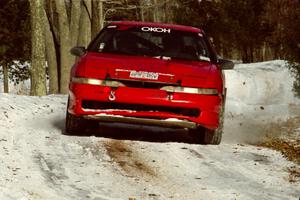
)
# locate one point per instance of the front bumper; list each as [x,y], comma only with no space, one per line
[172,123]
[152,99]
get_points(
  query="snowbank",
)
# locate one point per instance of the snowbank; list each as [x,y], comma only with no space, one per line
[258,94]
[263,86]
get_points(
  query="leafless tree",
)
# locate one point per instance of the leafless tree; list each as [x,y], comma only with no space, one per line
[38,75]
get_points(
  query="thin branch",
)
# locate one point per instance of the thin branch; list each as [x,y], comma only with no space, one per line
[87,10]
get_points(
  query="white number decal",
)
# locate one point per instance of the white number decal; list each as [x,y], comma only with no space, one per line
[145,75]
[156,29]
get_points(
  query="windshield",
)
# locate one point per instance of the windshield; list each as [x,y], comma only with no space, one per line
[152,42]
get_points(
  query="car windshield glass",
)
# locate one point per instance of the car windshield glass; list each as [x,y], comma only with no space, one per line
[152,42]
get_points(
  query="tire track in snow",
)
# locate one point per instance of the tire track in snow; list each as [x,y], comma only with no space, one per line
[53,172]
[129,160]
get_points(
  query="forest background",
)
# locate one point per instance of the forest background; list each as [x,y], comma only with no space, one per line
[36,35]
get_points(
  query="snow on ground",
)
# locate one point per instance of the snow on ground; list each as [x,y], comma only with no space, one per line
[39,162]
[258,94]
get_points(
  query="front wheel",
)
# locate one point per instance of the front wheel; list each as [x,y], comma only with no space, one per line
[207,136]
[74,125]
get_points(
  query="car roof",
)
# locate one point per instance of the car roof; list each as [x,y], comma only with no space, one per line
[161,25]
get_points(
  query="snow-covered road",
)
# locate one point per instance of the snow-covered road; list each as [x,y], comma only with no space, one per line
[39,162]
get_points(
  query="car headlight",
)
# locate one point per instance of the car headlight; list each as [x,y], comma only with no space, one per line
[190,90]
[92,81]
[89,81]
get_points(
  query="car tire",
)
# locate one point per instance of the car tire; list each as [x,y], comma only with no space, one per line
[74,125]
[215,136]
[208,136]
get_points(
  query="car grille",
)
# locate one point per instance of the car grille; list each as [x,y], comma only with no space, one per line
[97,105]
[144,84]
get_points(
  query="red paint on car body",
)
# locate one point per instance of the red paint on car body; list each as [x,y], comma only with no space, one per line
[144,97]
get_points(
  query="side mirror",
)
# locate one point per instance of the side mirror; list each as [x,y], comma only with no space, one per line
[78,51]
[226,64]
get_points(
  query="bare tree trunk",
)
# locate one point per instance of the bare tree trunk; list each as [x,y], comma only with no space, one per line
[251,53]
[168,14]
[51,57]
[75,18]
[66,60]
[5,76]
[85,24]
[142,17]
[264,52]
[38,73]
[96,16]
[244,54]
[155,12]
[101,14]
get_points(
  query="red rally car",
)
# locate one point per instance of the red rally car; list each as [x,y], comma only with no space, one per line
[152,74]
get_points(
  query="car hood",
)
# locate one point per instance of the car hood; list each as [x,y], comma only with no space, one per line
[135,68]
